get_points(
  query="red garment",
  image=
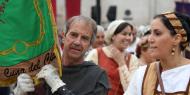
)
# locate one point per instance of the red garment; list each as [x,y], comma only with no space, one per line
[72,8]
[54,8]
[111,67]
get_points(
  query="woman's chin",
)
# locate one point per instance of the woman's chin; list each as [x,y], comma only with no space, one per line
[155,56]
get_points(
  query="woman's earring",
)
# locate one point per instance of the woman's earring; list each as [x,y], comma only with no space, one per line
[173,51]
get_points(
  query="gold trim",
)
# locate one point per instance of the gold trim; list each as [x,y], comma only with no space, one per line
[177,25]
[56,49]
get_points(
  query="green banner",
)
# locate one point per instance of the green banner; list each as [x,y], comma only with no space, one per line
[27,37]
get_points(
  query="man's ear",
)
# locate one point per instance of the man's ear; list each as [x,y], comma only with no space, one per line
[177,39]
[63,38]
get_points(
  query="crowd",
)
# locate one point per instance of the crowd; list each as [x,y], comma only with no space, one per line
[98,60]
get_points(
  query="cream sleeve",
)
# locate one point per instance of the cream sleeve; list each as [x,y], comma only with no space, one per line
[92,56]
[126,73]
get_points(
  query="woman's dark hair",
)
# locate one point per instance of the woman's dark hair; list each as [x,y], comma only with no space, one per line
[121,27]
[140,48]
[138,51]
[185,21]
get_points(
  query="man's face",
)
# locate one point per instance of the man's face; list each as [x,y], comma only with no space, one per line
[77,40]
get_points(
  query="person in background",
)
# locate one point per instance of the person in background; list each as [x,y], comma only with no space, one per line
[99,42]
[79,77]
[142,51]
[170,35]
[118,64]
[135,39]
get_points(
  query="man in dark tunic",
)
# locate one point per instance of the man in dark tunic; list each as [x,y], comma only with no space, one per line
[79,77]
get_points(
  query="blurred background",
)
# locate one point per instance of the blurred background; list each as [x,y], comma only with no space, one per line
[137,12]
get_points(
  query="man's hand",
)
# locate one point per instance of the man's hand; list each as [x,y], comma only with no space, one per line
[49,73]
[24,84]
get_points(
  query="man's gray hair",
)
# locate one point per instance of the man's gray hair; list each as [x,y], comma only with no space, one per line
[87,20]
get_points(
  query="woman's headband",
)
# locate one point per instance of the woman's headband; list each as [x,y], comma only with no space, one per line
[177,25]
